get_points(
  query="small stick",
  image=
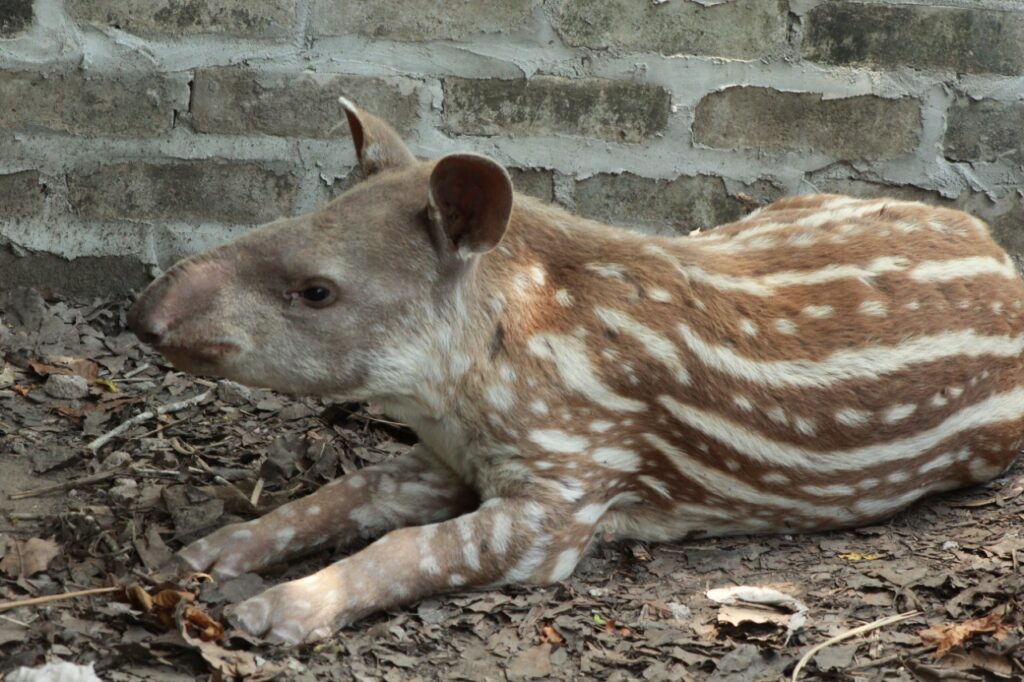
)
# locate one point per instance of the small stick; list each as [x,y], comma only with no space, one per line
[66,485]
[138,370]
[148,414]
[7,605]
[849,634]
[256,491]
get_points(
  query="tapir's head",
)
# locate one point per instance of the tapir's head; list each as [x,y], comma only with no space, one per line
[334,302]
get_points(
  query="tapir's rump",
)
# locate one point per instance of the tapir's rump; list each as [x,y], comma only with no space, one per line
[822,363]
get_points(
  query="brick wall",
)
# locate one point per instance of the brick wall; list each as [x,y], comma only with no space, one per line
[133,132]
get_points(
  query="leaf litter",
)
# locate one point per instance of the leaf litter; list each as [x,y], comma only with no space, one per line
[107,521]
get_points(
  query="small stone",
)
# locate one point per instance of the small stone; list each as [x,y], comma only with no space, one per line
[233,393]
[124,490]
[66,387]
[116,460]
[950,545]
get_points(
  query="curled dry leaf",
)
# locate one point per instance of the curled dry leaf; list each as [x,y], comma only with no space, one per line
[945,637]
[549,635]
[202,625]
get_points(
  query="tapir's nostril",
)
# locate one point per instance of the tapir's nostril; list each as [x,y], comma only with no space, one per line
[147,326]
[148,337]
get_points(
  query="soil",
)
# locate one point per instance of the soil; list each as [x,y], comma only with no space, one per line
[111,516]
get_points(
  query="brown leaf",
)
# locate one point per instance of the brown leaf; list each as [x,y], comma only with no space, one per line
[83,367]
[533,663]
[549,635]
[203,625]
[25,558]
[955,634]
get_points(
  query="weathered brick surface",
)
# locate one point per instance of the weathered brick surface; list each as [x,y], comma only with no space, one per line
[863,127]
[21,194]
[415,20]
[962,40]
[227,192]
[81,105]
[230,100]
[253,18]
[985,130]
[15,17]
[661,206]
[548,105]
[88,277]
[535,182]
[746,29]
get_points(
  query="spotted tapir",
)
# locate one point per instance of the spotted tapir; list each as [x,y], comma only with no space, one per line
[822,363]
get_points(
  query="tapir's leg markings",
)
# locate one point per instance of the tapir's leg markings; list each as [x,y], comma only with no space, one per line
[364,504]
[504,541]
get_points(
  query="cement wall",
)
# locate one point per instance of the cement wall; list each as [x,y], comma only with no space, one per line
[133,132]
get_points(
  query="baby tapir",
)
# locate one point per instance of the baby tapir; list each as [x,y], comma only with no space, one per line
[822,363]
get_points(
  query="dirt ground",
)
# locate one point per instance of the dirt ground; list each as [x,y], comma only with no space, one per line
[74,518]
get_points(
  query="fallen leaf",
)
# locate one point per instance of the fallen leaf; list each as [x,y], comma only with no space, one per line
[955,634]
[83,367]
[25,558]
[533,663]
[858,556]
[549,635]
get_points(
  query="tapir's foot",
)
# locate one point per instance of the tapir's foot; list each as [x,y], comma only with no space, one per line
[301,611]
[230,551]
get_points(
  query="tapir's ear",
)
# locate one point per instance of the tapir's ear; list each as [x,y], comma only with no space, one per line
[471,201]
[378,146]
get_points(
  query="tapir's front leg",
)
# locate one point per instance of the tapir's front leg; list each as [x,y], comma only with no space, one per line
[504,541]
[413,489]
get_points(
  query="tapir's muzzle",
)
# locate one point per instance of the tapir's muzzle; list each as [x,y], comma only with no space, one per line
[176,313]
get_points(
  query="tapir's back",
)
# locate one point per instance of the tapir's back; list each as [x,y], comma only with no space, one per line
[821,363]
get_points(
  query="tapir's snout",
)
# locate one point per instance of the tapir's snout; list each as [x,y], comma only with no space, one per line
[177,314]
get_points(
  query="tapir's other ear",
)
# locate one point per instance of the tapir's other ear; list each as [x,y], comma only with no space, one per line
[470,201]
[378,146]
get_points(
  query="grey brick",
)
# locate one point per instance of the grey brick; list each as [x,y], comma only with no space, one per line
[744,29]
[548,105]
[660,206]
[944,38]
[15,17]
[76,104]
[21,194]
[535,182]
[866,127]
[89,276]
[985,130]
[251,18]
[227,192]
[417,20]
[230,100]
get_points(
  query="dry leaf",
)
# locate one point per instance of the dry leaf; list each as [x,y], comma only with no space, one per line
[87,369]
[549,635]
[25,558]
[955,634]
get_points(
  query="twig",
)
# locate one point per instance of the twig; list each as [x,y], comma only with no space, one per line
[66,485]
[892,658]
[849,634]
[138,370]
[7,605]
[148,414]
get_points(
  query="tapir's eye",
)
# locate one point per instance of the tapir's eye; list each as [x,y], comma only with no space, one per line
[316,294]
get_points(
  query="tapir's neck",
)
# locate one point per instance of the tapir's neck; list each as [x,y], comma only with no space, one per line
[548,276]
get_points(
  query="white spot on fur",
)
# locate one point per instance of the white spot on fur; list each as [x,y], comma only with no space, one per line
[818,311]
[283,537]
[501,532]
[873,308]
[898,413]
[655,484]
[748,327]
[617,458]
[565,564]
[500,397]
[313,510]
[786,326]
[743,403]
[563,298]
[554,440]
[601,426]
[660,295]
[539,407]
[591,514]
